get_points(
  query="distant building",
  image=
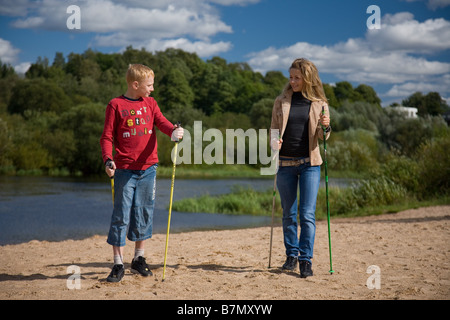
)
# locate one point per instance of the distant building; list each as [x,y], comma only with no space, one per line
[407,111]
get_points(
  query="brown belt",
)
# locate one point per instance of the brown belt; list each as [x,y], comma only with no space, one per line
[292,163]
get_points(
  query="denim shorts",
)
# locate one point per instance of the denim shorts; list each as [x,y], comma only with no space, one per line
[134,202]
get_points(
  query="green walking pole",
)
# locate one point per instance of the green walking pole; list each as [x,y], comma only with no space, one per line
[326,189]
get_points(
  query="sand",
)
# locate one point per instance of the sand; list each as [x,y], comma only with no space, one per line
[410,249]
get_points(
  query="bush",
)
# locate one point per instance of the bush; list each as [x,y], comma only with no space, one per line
[401,170]
[373,192]
[433,161]
[353,150]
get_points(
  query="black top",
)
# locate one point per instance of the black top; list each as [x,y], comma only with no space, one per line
[296,136]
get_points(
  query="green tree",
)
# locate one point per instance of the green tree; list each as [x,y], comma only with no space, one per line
[429,104]
[329,93]
[8,80]
[86,122]
[175,90]
[344,91]
[38,95]
[261,113]
[368,94]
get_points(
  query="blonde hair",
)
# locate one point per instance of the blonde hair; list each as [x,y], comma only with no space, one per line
[138,72]
[312,86]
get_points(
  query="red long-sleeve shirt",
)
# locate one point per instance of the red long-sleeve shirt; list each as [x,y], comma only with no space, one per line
[130,127]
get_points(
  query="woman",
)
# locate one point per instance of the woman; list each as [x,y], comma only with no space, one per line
[297,114]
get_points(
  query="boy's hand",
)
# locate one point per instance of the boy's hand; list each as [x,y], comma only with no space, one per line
[178,133]
[110,168]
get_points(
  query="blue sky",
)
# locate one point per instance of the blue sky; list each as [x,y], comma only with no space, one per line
[410,52]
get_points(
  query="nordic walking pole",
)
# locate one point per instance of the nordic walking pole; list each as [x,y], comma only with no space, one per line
[112,188]
[112,183]
[273,207]
[170,204]
[273,213]
[326,189]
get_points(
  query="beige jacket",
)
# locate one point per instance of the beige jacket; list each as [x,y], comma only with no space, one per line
[280,116]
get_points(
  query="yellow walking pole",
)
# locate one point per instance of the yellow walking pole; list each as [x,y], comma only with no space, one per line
[112,188]
[170,206]
[109,164]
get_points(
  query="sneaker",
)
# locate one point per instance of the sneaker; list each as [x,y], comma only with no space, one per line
[305,269]
[116,274]
[290,264]
[140,266]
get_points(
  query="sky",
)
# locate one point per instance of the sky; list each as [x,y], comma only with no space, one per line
[404,51]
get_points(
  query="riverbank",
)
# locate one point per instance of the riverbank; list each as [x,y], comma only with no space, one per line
[410,248]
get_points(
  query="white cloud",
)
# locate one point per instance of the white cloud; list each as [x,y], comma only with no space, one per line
[189,24]
[434,4]
[395,54]
[203,49]
[8,54]
[23,67]
[15,7]
[400,32]
[442,84]
[103,16]
[352,60]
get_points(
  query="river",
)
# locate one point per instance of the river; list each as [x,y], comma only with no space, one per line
[55,209]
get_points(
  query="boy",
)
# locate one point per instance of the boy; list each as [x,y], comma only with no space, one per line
[130,122]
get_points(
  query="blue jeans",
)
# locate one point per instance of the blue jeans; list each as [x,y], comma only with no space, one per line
[134,202]
[307,178]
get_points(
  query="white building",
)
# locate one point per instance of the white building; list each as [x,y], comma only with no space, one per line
[407,111]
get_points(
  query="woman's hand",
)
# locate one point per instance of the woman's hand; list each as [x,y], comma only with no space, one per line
[276,144]
[324,120]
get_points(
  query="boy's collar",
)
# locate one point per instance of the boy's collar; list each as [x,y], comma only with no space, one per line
[125,97]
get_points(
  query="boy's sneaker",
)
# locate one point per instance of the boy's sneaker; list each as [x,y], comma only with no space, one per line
[305,269]
[140,266]
[116,274]
[290,264]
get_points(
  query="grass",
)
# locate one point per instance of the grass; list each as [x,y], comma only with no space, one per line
[236,171]
[251,202]
[211,172]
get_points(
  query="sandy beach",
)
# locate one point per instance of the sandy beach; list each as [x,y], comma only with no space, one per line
[410,249]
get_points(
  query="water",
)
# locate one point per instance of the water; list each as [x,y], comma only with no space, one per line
[54,209]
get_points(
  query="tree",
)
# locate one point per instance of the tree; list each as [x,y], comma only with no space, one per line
[175,90]
[59,61]
[86,121]
[430,104]
[368,94]
[329,93]
[344,91]
[8,79]
[261,113]
[38,95]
